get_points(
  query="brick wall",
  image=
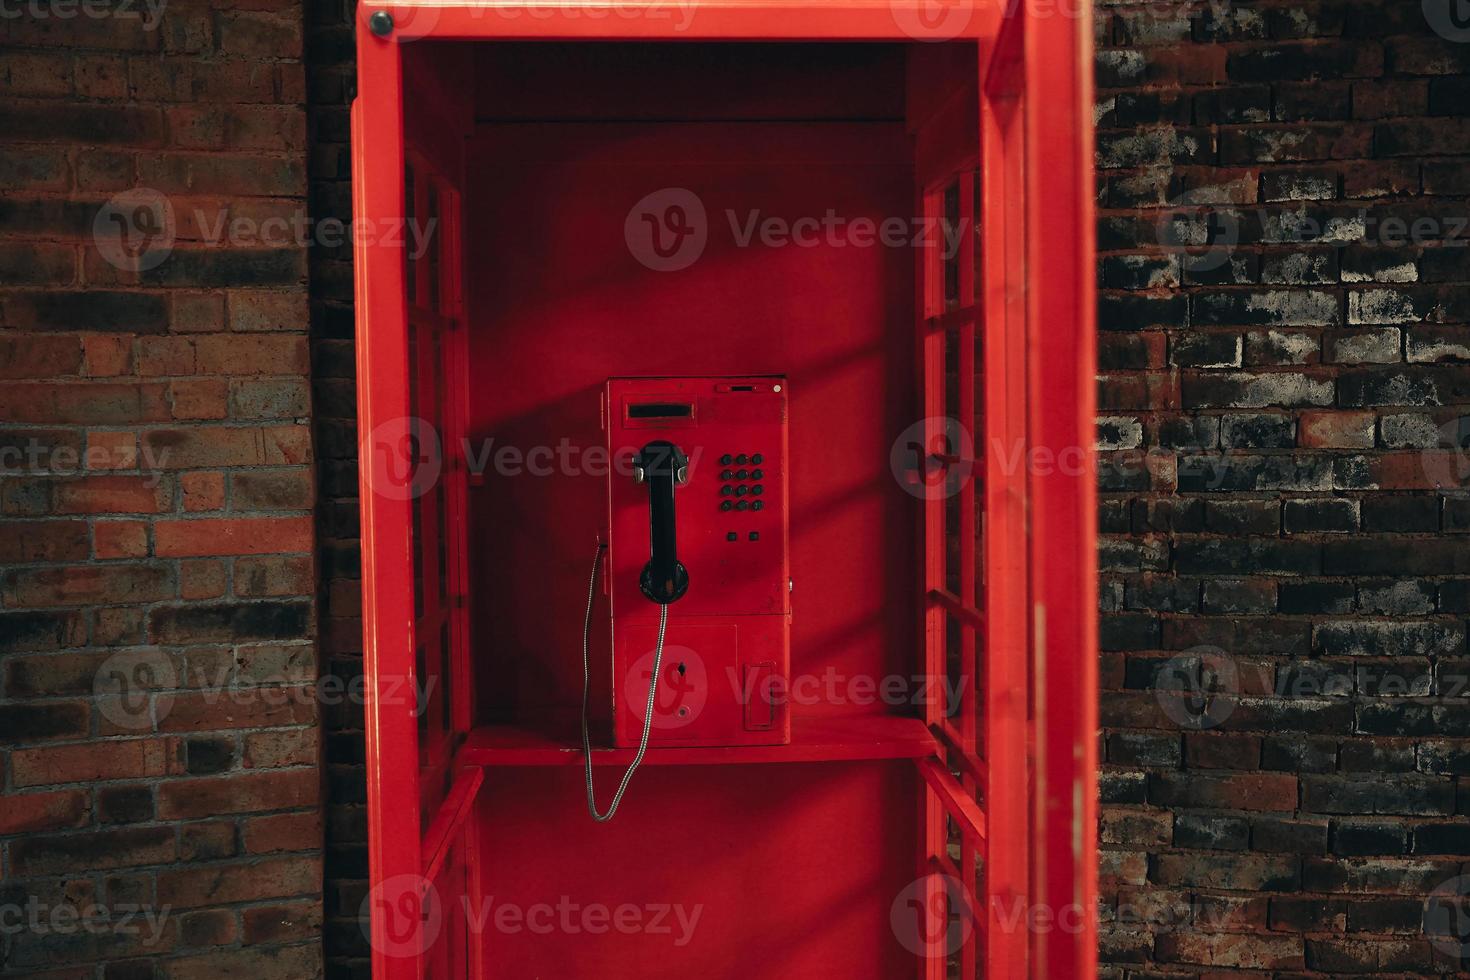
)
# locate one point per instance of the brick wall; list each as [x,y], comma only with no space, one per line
[159,771]
[1279,507]
[331,85]
[1281,499]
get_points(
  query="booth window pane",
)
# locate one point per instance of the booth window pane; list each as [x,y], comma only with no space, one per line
[951,222]
[421,678]
[415,449]
[432,229]
[446,721]
[410,264]
[441,486]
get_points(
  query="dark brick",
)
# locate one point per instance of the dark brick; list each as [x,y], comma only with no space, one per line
[119,312]
[1367,837]
[1282,835]
[1319,514]
[1211,832]
[1441,838]
[1298,753]
[1257,431]
[1299,598]
[1400,513]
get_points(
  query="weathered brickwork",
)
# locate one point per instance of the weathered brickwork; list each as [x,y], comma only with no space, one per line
[159,778]
[331,85]
[1283,384]
[1284,287]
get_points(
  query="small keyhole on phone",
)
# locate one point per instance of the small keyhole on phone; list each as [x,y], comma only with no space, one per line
[681,670]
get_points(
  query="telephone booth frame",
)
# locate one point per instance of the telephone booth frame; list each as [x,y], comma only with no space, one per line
[1014,772]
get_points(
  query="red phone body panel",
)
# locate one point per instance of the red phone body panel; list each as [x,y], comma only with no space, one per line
[727,648]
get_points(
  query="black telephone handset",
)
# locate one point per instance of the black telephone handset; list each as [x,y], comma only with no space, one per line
[664,580]
[661,466]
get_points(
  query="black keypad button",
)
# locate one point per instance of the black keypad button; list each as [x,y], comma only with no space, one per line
[755,535]
[741,491]
[727,474]
[740,505]
[726,459]
[757,474]
[726,504]
[731,536]
[741,459]
[755,504]
[756,459]
[726,490]
[741,475]
[757,489]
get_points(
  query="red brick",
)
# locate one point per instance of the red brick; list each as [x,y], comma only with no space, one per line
[34,358]
[127,847]
[283,832]
[212,927]
[254,310]
[242,793]
[264,963]
[83,403]
[224,884]
[121,539]
[214,711]
[266,750]
[36,73]
[203,491]
[73,585]
[296,922]
[236,536]
[1336,430]
[205,446]
[27,541]
[199,399]
[108,450]
[201,579]
[246,354]
[102,77]
[274,576]
[107,356]
[197,312]
[148,494]
[208,841]
[93,761]
[166,356]
[28,813]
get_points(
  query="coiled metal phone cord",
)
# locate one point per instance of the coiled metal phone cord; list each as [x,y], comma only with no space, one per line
[658,658]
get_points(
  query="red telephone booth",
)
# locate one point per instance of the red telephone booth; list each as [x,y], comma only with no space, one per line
[738,353]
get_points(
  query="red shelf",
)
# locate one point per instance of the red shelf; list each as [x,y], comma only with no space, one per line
[814,738]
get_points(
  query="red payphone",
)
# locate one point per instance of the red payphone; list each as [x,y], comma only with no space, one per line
[698,573]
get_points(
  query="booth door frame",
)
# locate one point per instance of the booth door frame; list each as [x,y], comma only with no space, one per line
[1032,758]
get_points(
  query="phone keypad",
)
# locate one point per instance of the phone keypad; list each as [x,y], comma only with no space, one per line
[743,485]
